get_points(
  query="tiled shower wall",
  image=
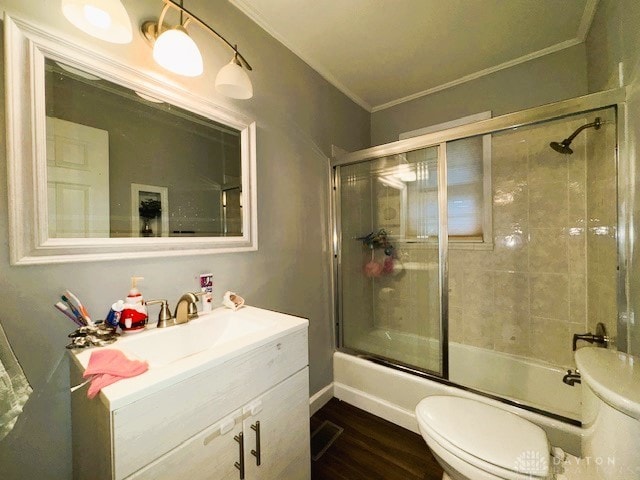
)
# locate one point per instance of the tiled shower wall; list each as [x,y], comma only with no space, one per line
[550,272]
[530,294]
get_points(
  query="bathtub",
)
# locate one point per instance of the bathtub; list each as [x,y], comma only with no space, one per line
[517,378]
[535,383]
[393,394]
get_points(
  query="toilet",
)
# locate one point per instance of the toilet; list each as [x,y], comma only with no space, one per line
[475,441]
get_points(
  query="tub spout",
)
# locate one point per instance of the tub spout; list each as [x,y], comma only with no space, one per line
[600,338]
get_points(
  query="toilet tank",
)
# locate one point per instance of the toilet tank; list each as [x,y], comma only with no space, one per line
[610,412]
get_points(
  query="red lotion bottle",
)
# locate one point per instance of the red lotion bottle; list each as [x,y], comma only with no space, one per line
[134,315]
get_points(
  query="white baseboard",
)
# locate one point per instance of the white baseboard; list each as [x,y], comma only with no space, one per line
[320,398]
[376,406]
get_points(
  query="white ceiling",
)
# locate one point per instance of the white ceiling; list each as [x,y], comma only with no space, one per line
[384,52]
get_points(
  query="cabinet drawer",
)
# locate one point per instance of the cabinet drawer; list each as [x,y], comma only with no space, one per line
[154,425]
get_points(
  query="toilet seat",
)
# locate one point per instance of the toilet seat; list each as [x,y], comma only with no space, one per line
[454,456]
[490,439]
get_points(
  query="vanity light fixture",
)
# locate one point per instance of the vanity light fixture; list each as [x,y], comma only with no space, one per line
[104,19]
[233,81]
[174,50]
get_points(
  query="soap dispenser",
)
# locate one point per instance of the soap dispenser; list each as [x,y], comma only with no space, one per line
[134,315]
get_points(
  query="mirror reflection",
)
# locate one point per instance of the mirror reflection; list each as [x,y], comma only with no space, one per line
[122,164]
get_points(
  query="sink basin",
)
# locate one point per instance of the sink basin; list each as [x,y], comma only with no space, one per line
[162,346]
[181,351]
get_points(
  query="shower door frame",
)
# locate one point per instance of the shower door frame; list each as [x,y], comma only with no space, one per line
[615,98]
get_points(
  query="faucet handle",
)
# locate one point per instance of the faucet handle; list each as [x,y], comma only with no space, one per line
[165,319]
[192,308]
[571,378]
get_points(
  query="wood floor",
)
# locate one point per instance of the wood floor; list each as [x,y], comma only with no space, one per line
[371,448]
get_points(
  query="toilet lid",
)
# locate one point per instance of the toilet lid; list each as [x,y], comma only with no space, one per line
[488,433]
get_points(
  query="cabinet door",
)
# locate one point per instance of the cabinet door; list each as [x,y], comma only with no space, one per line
[279,422]
[197,401]
[211,454]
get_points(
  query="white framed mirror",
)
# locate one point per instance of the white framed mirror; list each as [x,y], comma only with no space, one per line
[107,162]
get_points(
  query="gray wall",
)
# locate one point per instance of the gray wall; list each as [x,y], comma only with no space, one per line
[299,115]
[615,37]
[547,79]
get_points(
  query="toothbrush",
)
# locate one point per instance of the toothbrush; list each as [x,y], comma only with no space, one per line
[74,310]
[73,389]
[64,309]
[83,310]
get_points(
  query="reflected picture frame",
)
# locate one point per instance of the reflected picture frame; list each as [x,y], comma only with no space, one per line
[141,193]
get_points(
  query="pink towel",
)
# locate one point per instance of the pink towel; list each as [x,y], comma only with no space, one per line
[108,366]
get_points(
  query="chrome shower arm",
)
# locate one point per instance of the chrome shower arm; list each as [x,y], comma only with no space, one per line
[595,124]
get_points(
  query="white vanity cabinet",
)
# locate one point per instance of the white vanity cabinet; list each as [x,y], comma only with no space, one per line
[213,453]
[203,424]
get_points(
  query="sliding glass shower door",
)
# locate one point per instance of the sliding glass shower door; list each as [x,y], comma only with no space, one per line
[478,257]
[389,212]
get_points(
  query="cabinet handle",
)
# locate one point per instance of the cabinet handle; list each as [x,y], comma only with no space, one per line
[256,453]
[240,466]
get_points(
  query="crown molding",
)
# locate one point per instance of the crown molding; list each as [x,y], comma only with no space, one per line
[254,15]
[481,73]
[581,34]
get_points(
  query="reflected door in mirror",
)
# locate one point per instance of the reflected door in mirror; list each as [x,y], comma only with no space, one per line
[77,180]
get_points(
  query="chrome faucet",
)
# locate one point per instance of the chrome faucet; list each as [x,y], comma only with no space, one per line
[186,308]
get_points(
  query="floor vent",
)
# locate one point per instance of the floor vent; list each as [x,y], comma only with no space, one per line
[323,437]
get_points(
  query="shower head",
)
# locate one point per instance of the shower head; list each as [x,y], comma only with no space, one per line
[563,146]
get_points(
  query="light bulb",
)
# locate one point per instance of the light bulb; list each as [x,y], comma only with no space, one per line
[176,51]
[233,81]
[97,17]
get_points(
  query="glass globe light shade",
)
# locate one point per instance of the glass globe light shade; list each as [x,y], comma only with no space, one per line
[104,19]
[233,81]
[176,51]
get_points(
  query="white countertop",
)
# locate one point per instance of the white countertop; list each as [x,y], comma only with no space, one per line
[159,375]
[613,376]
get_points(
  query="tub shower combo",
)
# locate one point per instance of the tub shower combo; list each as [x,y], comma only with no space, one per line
[468,258]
